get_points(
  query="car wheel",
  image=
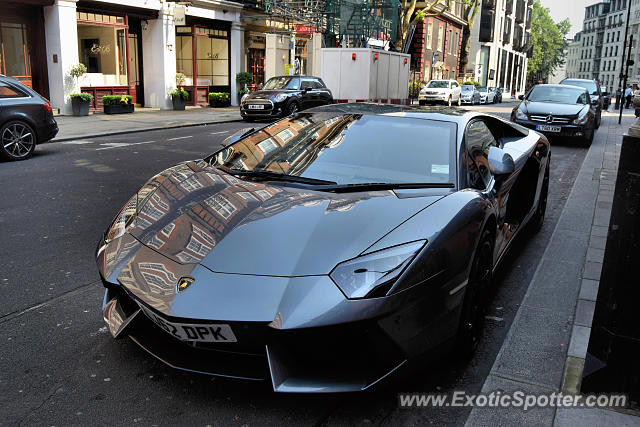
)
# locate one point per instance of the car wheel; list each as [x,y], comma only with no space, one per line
[18,140]
[473,305]
[588,140]
[421,102]
[292,108]
[459,101]
[538,217]
[598,120]
[449,101]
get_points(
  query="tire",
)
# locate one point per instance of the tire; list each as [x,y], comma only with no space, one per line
[598,120]
[588,140]
[17,140]
[473,305]
[538,217]
[449,101]
[292,108]
[422,102]
[459,101]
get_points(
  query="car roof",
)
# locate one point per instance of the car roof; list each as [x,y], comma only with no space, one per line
[579,80]
[561,85]
[308,77]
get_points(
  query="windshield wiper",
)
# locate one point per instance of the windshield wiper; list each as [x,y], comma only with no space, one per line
[275,176]
[372,186]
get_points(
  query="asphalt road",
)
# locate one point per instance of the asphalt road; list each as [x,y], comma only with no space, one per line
[60,366]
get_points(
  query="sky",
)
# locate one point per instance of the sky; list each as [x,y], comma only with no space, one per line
[572,9]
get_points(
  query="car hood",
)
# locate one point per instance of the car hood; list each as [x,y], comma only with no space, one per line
[545,108]
[200,215]
[436,89]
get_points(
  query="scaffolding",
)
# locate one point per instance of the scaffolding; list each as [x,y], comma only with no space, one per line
[346,23]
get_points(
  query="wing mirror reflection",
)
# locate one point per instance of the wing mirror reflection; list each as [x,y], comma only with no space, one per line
[500,162]
[521,97]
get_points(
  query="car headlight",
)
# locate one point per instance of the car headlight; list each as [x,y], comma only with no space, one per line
[520,115]
[581,120]
[124,218]
[357,277]
[280,97]
[244,97]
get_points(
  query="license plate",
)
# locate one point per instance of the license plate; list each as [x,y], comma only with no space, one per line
[256,107]
[548,128]
[196,332]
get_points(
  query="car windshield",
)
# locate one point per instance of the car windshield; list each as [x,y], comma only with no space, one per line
[482,89]
[587,84]
[276,83]
[467,88]
[558,95]
[438,84]
[348,149]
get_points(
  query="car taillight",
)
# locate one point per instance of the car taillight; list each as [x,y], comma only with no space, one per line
[47,107]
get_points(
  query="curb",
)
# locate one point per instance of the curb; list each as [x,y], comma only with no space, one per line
[148,129]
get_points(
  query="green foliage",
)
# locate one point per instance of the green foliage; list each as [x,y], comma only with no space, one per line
[116,99]
[219,96]
[471,82]
[242,92]
[77,70]
[83,96]
[244,78]
[180,92]
[414,89]
[180,79]
[548,40]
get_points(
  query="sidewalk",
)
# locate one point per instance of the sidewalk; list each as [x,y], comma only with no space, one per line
[143,119]
[546,344]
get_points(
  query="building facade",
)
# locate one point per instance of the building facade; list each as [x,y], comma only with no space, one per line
[500,39]
[603,42]
[573,56]
[435,48]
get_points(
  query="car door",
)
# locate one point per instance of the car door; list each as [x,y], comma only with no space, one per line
[456,90]
[306,93]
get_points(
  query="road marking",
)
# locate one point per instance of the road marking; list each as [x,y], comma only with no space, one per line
[218,133]
[180,137]
[77,142]
[109,145]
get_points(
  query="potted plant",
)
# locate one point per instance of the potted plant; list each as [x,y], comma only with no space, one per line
[179,98]
[242,93]
[219,99]
[117,104]
[180,79]
[243,78]
[80,103]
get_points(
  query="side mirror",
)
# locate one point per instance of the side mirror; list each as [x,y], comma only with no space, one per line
[306,89]
[521,97]
[500,162]
[231,139]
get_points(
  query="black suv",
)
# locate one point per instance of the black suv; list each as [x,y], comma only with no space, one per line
[284,95]
[594,91]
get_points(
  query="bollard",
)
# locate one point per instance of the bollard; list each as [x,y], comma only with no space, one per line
[612,358]
[617,107]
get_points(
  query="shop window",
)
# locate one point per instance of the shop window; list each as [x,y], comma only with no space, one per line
[184,56]
[102,46]
[256,65]
[212,61]
[14,52]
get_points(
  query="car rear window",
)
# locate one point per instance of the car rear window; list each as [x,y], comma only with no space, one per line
[7,91]
[587,84]
[349,149]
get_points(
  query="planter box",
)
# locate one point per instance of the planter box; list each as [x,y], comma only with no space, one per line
[219,103]
[80,107]
[118,108]
[178,102]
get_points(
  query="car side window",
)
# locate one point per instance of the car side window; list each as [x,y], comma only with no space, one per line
[478,139]
[317,84]
[7,91]
[306,83]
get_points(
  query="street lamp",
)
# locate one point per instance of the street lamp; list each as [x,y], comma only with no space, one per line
[624,63]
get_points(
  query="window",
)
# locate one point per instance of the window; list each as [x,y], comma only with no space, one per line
[450,42]
[429,34]
[14,53]
[102,46]
[7,91]
[285,135]
[267,146]
[439,41]
[478,139]
[306,83]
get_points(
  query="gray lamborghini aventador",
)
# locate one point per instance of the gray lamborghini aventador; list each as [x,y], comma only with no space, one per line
[324,251]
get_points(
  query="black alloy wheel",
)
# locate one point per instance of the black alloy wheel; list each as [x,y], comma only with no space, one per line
[475,298]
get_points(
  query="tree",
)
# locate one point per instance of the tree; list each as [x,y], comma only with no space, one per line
[548,41]
[469,14]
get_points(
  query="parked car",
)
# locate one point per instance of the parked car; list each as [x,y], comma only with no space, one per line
[320,253]
[447,92]
[606,98]
[594,93]
[558,110]
[470,94]
[284,95]
[26,119]
[486,96]
[497,94]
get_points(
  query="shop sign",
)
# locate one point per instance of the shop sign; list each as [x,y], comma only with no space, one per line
[179,16]
[100,49]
